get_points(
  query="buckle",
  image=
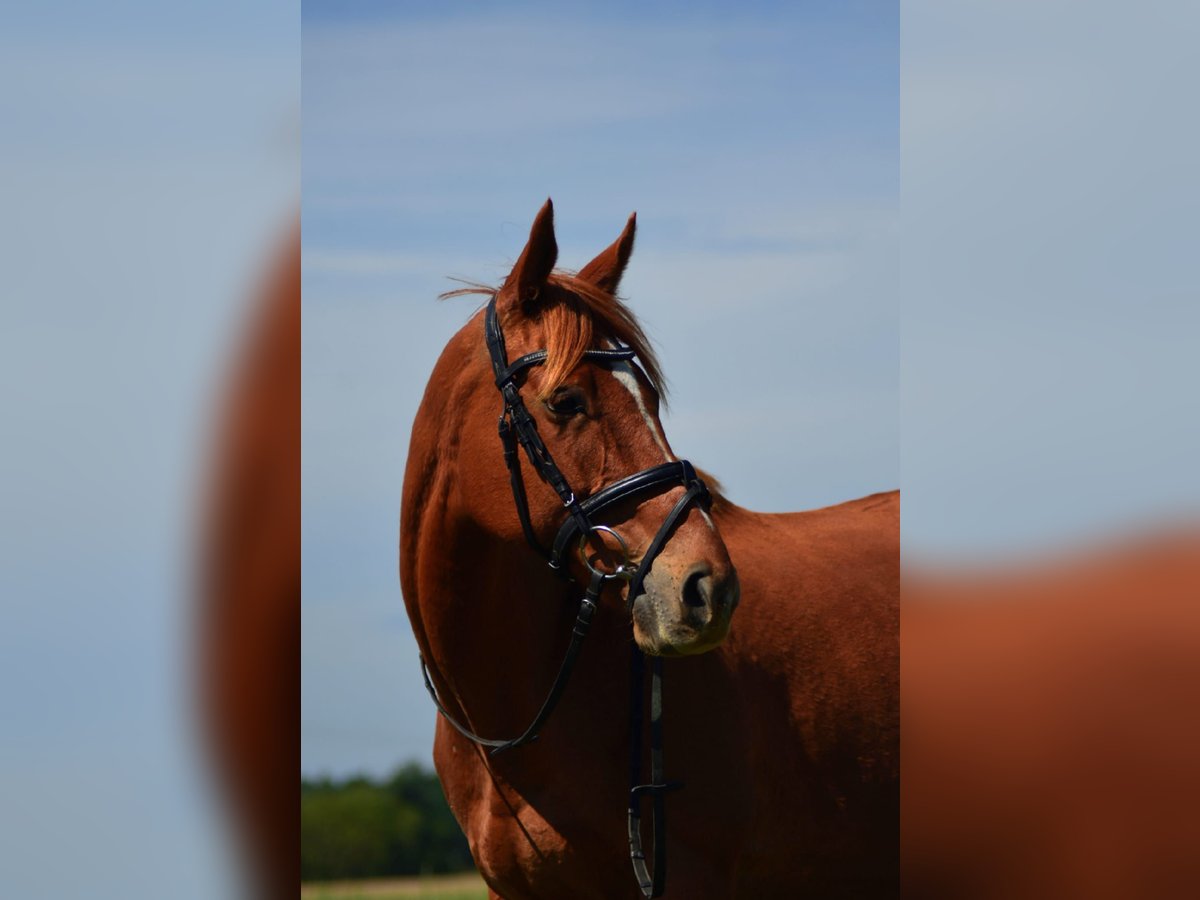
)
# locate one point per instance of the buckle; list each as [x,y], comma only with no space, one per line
[635,793]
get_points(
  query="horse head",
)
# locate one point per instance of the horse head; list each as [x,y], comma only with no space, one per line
[597,418]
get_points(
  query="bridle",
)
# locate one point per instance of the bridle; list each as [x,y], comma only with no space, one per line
[517,427]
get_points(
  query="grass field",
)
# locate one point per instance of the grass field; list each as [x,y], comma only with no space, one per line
[435,887]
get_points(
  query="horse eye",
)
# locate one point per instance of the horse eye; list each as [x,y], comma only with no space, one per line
[565,402]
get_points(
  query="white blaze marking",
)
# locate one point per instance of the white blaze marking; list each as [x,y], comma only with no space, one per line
[623,372]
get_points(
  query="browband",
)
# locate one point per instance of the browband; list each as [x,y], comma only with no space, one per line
[537,357]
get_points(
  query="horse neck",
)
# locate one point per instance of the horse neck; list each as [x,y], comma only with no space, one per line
[494,624]
[490,617]
[487,612]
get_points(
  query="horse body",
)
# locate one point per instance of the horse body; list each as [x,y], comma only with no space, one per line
[815,658]
[249,614]
[1050,738]
[785,735]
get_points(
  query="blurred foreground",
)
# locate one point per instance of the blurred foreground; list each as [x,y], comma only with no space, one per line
[148,167]
[1049,729]
[249,598]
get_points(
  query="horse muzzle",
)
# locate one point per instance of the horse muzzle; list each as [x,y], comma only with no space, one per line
[687,612]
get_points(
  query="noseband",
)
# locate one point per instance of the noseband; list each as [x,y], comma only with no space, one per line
[518,427]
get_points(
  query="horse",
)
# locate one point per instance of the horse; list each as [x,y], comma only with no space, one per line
[778,701]
[1049,750]
[248,603]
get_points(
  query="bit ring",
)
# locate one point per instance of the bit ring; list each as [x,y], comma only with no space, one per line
[624,569]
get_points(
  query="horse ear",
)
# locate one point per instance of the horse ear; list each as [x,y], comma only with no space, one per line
[537,259]
[605,270]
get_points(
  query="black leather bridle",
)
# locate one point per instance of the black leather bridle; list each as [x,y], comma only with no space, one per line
[517,427]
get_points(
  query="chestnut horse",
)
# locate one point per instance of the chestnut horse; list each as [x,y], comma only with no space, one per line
[1050,734]
[249,597]
[781,721]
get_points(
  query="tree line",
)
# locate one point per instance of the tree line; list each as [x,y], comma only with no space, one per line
[359,827]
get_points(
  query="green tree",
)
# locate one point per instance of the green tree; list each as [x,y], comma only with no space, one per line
[358,828]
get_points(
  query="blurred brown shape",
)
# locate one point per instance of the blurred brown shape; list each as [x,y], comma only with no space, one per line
[249,620]
[1050,734]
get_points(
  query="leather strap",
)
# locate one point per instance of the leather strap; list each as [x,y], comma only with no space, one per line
[583,621]
[648,480]
[651,884]
[695,490]
[517,482]
[537,357]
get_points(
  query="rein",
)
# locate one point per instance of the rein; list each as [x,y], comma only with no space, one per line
[518,427]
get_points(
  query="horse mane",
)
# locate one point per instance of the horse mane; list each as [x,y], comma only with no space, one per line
[574,315]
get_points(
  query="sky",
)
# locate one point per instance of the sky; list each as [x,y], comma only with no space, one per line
[1049,312]
[759,148]
[148,167]
[964,270]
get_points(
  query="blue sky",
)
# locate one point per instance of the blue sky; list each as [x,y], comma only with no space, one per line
[1049,308]
[148,166]
[760,150]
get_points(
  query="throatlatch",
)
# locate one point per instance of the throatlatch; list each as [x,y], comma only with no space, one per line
[518,427]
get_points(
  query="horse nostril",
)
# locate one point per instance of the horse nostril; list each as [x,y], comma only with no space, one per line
[697,588]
